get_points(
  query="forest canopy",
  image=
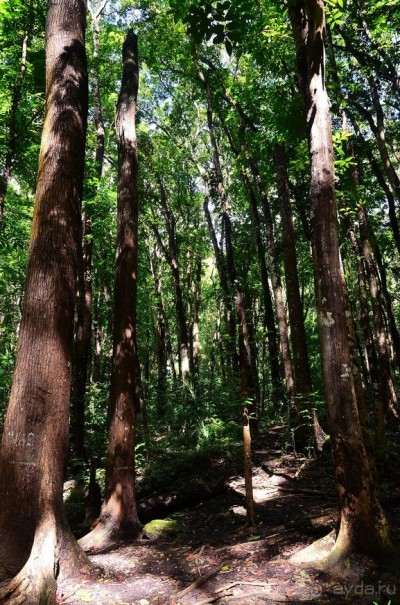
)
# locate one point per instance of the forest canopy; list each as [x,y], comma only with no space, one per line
[209,247]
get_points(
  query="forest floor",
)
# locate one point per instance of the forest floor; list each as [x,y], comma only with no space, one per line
[209,555]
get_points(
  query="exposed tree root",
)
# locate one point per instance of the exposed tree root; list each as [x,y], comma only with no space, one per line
[30,588]
[104,538]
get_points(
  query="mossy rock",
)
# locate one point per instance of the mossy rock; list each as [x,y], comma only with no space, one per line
[158,527]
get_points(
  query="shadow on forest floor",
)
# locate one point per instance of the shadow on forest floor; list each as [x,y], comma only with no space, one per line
[214,558]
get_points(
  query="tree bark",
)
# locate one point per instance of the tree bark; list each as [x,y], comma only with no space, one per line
[34,445]
[83,329]
[119,519]
[363,525]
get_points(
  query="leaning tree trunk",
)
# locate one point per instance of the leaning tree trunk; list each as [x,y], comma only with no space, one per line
[363,525]
[118,518]
[34,447]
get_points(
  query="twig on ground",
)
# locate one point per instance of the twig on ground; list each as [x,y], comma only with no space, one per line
[202,580]
[244,583]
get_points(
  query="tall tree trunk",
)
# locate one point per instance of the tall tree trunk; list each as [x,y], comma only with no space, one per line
[363,525]
[277,289]
[83,330]
[172,257]
[269,321]
[223,280]
[247,362]
[196,319]
[393,330]
[12,135]
[388,397]
[365,317]
[301,364]
[161,345]
[34,445]
[118,519]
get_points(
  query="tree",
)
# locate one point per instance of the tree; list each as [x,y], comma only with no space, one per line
[363,525]
[118,518]
[34,445]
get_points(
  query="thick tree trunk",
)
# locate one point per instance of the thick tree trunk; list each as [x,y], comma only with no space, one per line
[34,446]
[363,526]
[119,519]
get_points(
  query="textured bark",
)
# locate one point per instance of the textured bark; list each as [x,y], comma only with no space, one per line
[83,329]
[363,525]
[119,519]
[34,445]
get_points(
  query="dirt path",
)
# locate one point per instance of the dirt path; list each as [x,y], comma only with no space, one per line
[214,558]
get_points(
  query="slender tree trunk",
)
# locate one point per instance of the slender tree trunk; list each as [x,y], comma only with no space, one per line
[196,319]
[388,397]
[365,317]
[34,445]
[12,135]
[172,257]
[161,346]
[280,307]
[223,280]
[277,289]
[83,330]
[269,322]
[301,364]
[247,362]
[363,525]
[393,330]
[118,519]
